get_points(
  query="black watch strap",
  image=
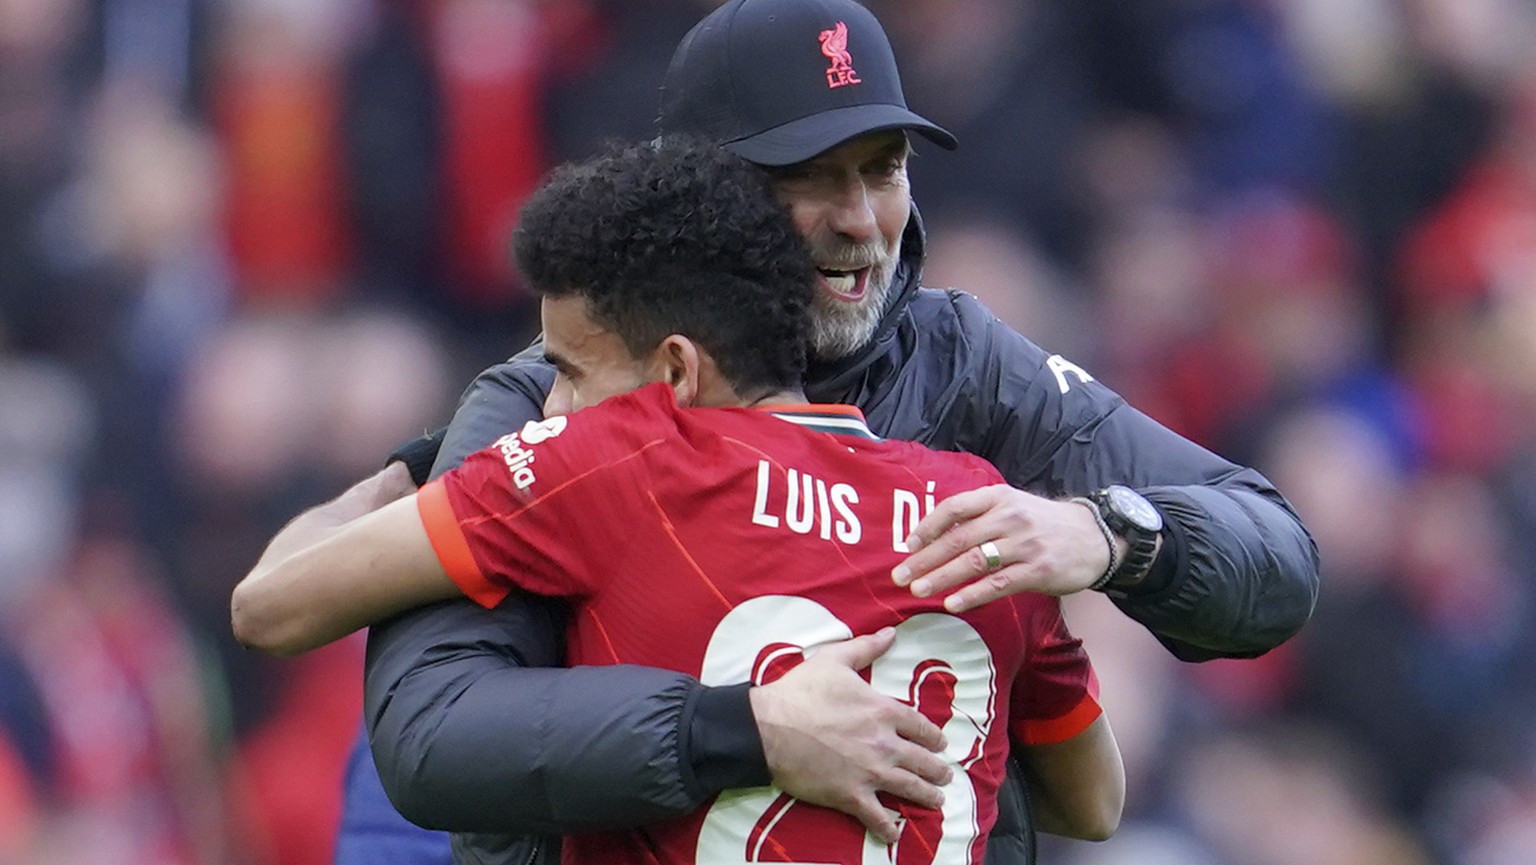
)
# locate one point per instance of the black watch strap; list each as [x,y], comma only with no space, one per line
[1137,564]
[1132,517]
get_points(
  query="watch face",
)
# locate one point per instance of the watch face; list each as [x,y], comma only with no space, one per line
[1136,509]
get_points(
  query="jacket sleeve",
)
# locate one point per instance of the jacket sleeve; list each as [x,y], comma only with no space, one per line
[474,729]
[1239,571]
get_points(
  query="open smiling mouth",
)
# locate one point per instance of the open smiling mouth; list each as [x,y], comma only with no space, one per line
[848,285]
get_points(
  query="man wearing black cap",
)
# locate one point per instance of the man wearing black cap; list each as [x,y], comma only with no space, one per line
[780,82]
[476,730]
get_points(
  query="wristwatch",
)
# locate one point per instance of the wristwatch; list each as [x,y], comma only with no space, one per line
[1128,514]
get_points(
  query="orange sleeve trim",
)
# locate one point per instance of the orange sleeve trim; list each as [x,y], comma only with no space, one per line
[1060,729]
[452,548]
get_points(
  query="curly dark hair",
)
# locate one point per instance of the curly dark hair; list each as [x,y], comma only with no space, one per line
[676,235]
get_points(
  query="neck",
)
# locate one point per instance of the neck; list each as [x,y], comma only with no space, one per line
[786,396]
[715,391]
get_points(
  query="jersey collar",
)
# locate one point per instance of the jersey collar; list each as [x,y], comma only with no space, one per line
[828,418]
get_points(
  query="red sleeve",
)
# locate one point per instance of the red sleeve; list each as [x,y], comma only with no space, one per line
[1055,695]
[531,510]
[452,547]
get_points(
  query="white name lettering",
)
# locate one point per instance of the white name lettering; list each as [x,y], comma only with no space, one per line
[760,515]
[843,498]
[806,504]
[903,519]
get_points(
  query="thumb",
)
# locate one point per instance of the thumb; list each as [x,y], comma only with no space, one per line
[860,652]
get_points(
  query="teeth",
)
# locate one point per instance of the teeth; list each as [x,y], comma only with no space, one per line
[839,282]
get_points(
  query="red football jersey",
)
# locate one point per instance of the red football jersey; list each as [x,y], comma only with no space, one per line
[728,544]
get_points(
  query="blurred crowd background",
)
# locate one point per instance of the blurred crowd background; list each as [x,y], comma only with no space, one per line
[249,246]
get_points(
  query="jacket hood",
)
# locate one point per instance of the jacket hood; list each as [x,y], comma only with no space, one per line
[834,376]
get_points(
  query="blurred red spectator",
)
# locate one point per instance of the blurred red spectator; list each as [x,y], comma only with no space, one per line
[1458,269]
[276,98]
[124,695]
[18,811]
[492,59]
[287,787]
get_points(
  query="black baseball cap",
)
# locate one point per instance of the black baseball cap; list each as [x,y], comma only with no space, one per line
[780,81]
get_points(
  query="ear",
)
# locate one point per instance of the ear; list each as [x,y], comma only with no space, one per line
[680,363]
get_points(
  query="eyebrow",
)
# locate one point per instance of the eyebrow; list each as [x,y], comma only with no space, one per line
[558,361]
[900,144]
[897,145]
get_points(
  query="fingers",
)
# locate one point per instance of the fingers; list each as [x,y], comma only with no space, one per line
[859,652]
[969,565]
[912,726]
[950,559]
[880,822]
[911,788]
[922,764]
[956,509]
[952,534]
[918,767]
[984,591]
[1042,545]
[830,739]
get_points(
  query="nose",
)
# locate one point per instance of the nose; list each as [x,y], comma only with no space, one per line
[852,214]
[559,400]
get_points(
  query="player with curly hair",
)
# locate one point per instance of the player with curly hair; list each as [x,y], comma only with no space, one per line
[703,518]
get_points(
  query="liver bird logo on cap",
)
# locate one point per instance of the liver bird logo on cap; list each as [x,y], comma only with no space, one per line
[834,44]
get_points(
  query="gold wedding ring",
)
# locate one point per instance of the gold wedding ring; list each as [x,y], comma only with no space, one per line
[993,555]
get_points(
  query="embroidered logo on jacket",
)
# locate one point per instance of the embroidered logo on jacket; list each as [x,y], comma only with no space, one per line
[834,44]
